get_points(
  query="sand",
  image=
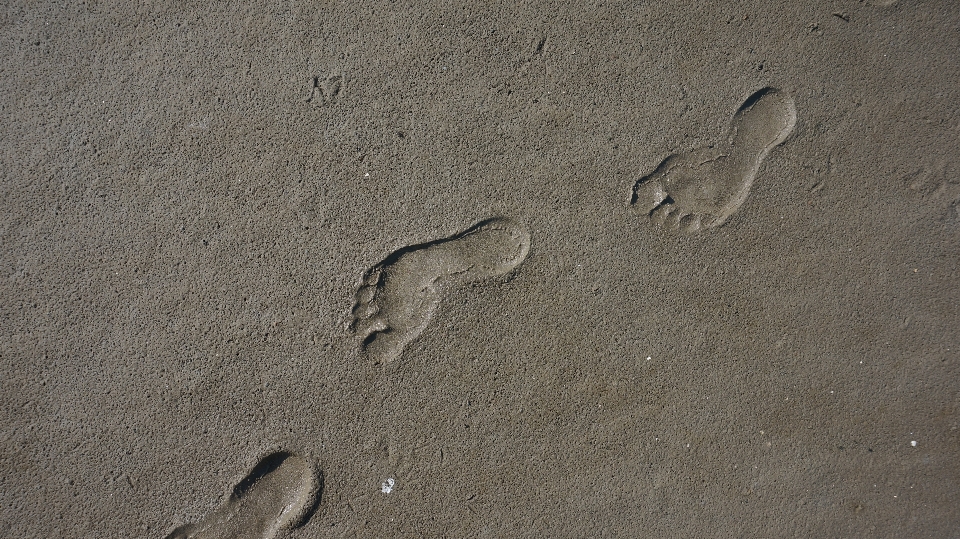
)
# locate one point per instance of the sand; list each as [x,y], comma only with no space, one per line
[247,287]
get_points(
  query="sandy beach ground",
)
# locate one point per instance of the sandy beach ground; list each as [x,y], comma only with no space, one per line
[425,269]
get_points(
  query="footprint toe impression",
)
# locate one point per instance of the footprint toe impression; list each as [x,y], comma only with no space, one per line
[703,188]
[400,294]
[280,493]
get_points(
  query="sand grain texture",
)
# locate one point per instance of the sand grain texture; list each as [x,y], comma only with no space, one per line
[192,194]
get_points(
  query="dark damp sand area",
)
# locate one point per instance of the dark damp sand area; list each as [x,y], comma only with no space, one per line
[192,195]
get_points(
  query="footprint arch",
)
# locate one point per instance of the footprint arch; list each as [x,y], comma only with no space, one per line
[279,493]
[701,189]
[398,297]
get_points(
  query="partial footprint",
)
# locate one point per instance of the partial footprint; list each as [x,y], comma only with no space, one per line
[702,188]
[279,493]
[399,295]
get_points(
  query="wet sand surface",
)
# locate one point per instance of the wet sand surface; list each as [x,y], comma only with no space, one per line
[637,269]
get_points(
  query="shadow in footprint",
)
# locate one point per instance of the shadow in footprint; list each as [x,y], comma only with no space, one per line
[280,493]
[703,188]
[399,295]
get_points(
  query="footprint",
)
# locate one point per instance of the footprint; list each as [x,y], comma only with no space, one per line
[400,294]
[702,188]
[279,494]
[325,90]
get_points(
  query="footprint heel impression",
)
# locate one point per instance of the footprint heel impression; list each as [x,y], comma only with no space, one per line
[280,493]
[702,188]
[398,297]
